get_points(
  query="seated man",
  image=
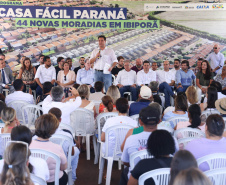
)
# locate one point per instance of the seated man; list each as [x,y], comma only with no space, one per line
[145,76]
[126,81]
[154,66]
[19,94]
[55,100]
[6,76]
[138,67]
[184,77]
[118,67]
[86,76]
[99,92]
[122,107]
[144,100]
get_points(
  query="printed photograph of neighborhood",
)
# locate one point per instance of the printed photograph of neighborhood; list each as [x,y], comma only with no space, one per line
[184,35]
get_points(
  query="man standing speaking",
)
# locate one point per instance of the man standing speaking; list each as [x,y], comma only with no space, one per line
[104,60]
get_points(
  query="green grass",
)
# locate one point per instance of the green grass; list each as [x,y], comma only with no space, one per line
[49,53]
[224,53]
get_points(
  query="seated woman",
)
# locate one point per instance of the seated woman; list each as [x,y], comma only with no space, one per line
[15,169]
[160,149]
[47,86]
[192,96]
[27,74]
[45,127]
[221,78]
[108,104]
[212,96]
[8,116]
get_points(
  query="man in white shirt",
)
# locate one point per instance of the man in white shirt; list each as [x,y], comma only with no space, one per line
[45,73]
[55,100]
[216,59]
[166,79]
[176,67]
[145,76]
[19,94]
[122,107]
[154,66]
[126,81]
[99,92]
[104,60]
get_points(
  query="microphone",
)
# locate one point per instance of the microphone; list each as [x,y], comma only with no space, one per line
[99,55]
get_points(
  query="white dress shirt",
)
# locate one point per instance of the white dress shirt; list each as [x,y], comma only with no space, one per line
[126,77]
[19,95]
[106,56]
[85,76]
[174,71]
[66,108]
[165,76]
[216,60]
[145,78]
[45,74]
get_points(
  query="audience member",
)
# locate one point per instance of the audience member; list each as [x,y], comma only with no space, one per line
[71,67]
[220,105]
[45,73]
[2,97]
[176,68]
[8,116]
[107,105]
[154,66]
[82,64]
[40,60]
[2,107]
[182,160]
[192,95]
[218,86]
[145,97]
[221,78]
[119,66]
[184,77]
[99,92]
[47,86]
[139,65]
[19,94]
[145,76]
[213,143]
[166,79]
[113,92]
[2,57]
[126,81]
[154,86]
[160,149]
[212,96]
[60,66]
[45,127]
[55,100]
[198,66]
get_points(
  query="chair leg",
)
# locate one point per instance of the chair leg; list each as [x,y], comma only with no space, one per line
[88,147]
[119,164]
[100,153]
[70,181]
[97,153]
[101,170]
[109,170]
[95,147]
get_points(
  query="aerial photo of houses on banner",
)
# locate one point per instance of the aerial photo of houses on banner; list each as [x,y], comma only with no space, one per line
[154,31]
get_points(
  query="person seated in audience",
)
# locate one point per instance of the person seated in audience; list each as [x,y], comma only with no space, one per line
[145,76]
[86,76]
[40,61]
[145,98]
[55,100]
[198,66]
[192,96]
[45,73]
[220,105]
[182,160]
[45,127]
[176,68]
[118,67]
[47,86]
[213,143]
[191,176]
[8,115]
[160,145]
[37,166]
[139,65]
[75,151]
[184,77]
[69,60]
[218,86]
[154,66]
[212,96]
[2,97]
[66,77]
[181,107]
[60,66]
[27,75]
[126,81]
[122,107]
[154,86]
[82,64]
[107,105]
[221,78]
[194,113]
[15,169]
[18,94]
[2,107]
[99,92]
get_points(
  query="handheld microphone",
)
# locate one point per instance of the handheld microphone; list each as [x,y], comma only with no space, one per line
[99,55]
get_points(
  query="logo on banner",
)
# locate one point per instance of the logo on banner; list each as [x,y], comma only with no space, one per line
[189,7]
[203,7]
[176,7]
[162,7]
[217,6]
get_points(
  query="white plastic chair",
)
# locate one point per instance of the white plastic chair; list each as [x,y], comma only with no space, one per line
[37,180]
[67,127]
[169,129]
[129,94]
[97,105]
[119,131]
[208,112]
[82,122]
[2,125]
[17,105]
[40,103]
[189,132]
[184,141]
[6,91]
[160,176]
[217,176]
[133,158]
[46,155]
[101,119]
[5,139]
[136,118]
[174,120]
[214,161]
[30,113]
[60,140]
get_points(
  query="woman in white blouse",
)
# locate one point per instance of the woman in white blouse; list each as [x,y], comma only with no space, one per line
[66,77]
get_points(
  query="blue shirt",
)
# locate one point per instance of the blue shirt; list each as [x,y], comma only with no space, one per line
[85,77]
[137,106]
[185,78]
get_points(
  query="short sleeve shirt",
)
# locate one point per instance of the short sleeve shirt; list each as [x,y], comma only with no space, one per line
[202,80]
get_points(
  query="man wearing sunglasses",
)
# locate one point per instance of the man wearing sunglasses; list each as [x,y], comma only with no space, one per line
[216,59]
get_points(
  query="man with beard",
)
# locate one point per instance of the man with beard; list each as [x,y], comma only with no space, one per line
[138,67]
[118,67]
[198,67]
[154,66]
[82,64]
[41,57]
[45,73]
[176,67]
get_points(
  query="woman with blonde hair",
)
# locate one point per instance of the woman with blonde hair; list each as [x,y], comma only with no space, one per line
[8,116]
[114,93]
[192,96]
[15,169]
